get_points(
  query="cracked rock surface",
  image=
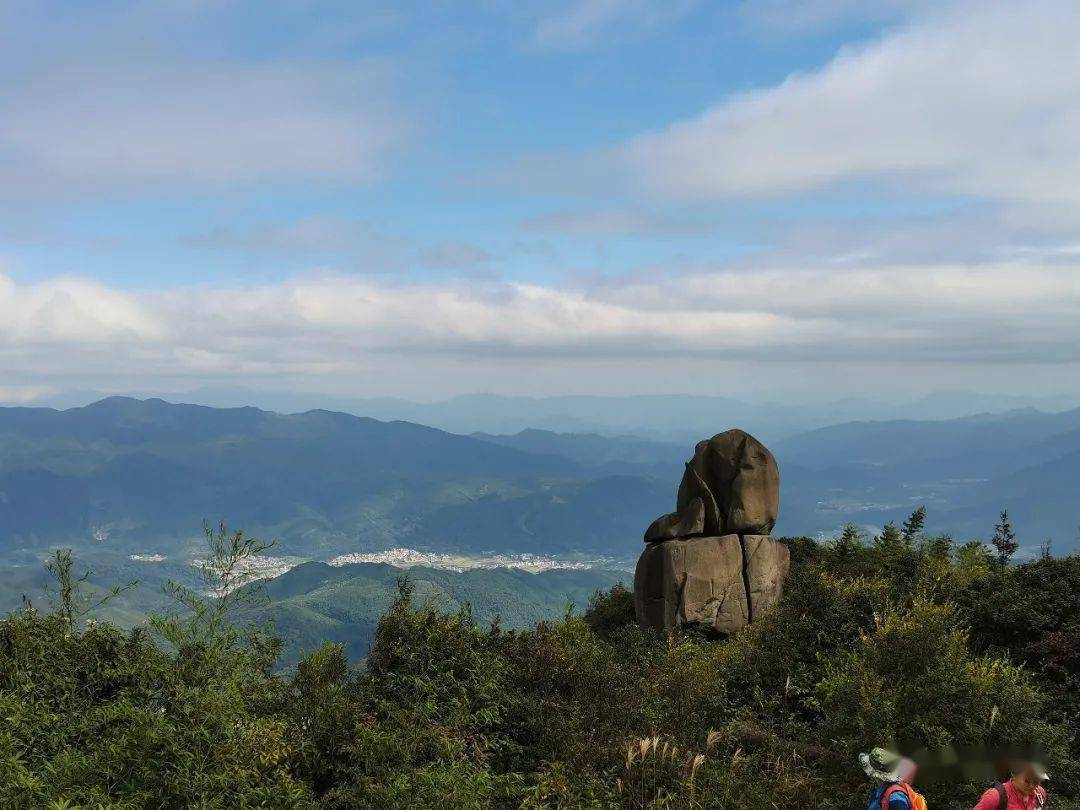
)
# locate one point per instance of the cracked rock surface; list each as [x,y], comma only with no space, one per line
[719,583]
[711,563]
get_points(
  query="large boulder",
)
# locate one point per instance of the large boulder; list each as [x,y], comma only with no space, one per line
[730,486]
[767,563]
[698,581]
[714,583]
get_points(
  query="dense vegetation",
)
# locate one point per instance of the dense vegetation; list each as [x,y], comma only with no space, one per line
[315,602]
[901,637]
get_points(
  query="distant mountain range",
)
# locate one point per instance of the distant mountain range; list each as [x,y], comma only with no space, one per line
[142,475]
[620,455]
[661,417]
[965,470]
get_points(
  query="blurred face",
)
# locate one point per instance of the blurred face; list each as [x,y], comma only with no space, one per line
[1025,780]
[906,769]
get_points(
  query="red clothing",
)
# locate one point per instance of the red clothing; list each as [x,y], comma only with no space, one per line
[991,800]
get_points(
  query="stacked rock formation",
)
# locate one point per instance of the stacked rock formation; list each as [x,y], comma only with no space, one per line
[711,562]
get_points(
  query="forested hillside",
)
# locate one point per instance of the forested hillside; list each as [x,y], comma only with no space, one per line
[315,602]
[138,475]
[965,470]
[906,637]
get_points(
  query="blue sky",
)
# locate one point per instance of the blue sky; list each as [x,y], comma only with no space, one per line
[578,196]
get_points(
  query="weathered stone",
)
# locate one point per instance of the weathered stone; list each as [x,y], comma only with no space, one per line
[692,582]
[767,564]
[733,482]
[690,523]
[652,597]
[711,563]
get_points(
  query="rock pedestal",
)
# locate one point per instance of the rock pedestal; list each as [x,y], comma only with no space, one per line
[767,563]
[711,563]
[719,583]
[698,581]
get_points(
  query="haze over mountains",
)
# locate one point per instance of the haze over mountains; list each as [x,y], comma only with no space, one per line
[143,475]
[127,484]
[663,417]
[964,470]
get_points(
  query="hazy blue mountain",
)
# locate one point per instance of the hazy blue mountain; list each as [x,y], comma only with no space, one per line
[941,405]
[606,515]
[964,470]
[669,417]
[144,474]
[617,454]
[985,444]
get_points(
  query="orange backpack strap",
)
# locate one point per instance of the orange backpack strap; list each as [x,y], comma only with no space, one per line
[915,801]
[896,787]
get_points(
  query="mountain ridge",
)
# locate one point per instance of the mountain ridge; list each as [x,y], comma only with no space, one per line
[146,473]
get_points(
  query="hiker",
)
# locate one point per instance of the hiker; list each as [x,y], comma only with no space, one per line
[1023,792]
[893,773]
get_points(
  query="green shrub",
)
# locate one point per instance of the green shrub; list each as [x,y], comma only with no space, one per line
[902,638]
[102,717]
[914,678]
[611,610]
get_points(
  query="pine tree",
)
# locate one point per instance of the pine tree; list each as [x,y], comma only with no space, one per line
[849,541]
[890,540]
[1004,540]
[914,525]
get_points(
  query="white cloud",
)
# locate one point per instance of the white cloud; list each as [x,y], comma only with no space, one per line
[336,326]
[135,106]
[580,23]
[976,100]
[66,313]
[23,394]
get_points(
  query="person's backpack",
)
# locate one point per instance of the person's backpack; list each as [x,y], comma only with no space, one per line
[1003,797]
[915,799]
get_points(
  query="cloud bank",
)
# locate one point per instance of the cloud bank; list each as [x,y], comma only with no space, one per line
[971,107]
[335,325]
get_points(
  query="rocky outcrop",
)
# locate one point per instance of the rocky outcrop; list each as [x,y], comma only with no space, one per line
[698,581]
[711,563]
[731,486]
